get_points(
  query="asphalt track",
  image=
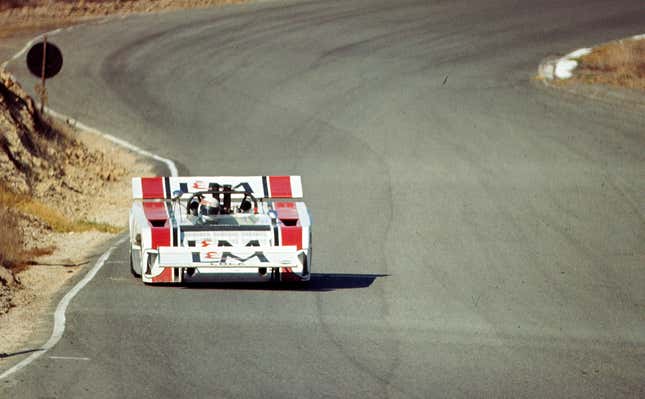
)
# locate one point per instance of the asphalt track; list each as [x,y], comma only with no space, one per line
[475,234]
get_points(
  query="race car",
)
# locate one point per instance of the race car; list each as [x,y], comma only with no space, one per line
[219,228]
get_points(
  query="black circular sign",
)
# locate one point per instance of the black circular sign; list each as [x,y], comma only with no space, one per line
[53,60]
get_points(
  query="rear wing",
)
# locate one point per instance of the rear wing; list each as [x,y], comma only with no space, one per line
[260,186]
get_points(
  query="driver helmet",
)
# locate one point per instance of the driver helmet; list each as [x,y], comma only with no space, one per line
[208,209]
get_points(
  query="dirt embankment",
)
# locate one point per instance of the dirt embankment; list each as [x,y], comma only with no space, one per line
[62,196]
[52,182]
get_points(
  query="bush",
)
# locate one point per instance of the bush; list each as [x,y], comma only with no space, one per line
[12,246]
[620,63]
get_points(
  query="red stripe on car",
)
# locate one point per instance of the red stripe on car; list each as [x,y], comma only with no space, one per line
[287,274]
[155,211]
[160,237]
[152,187]
[164,277]
[291,235]
[287,213]
[280,186]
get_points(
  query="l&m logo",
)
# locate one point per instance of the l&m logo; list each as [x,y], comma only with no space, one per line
[228,258]
[229,255]
[200,185]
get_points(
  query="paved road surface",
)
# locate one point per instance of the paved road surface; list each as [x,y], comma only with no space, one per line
[476,235]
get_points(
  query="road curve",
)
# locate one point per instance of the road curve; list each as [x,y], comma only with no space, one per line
[475,235]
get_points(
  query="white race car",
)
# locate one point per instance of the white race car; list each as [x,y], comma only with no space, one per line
[221,228]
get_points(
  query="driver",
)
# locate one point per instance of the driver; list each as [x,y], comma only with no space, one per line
[209,208]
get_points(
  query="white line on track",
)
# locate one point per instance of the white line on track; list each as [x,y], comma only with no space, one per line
[68,358]
[61,308]
[59,315]
[169,163]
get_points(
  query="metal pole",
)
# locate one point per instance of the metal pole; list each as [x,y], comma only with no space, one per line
[42,76]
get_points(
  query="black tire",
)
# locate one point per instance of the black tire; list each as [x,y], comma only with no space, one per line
[134,273]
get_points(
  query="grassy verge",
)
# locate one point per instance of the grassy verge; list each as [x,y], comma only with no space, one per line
[14,208]
[620,63]
[12,246]
[49,216]
[13,253]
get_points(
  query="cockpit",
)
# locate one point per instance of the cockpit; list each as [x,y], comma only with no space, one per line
[222,205]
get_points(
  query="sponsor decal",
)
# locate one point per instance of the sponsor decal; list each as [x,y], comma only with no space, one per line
[226,255]
[200,185]
[228,258]
[224,243]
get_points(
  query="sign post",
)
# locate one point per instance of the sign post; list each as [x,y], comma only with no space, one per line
[44,60]
[43,94]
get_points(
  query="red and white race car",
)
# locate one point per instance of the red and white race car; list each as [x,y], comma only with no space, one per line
[220,228]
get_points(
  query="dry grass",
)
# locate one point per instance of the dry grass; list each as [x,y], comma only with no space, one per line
[49,216]
[12,247]
[620,63]
[13,254]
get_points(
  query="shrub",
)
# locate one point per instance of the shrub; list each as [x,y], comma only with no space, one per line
[620,63]
[12,246]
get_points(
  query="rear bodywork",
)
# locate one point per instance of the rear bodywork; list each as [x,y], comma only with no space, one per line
[269,241]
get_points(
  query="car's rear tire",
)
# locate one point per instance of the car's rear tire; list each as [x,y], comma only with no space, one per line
[134,272]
